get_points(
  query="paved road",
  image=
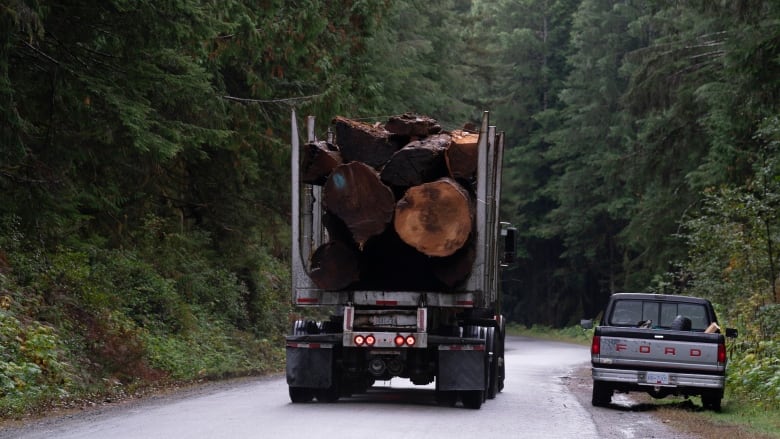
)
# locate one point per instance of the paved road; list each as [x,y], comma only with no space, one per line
[537,402]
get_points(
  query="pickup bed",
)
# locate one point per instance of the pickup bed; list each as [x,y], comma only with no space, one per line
[660,344]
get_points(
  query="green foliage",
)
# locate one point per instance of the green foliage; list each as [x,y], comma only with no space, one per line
[754,373]
[734,248]
[212,349]
[32,367]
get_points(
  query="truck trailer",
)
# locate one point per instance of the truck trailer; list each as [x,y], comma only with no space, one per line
[379,328]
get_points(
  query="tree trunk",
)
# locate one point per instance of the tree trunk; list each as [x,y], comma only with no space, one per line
[419,162]
[435,218]
[355,194]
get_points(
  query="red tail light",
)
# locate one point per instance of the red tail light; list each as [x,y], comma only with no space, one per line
[721,353]
[370,340]
[359,340]
[410,340]
[399,340]
[595,347]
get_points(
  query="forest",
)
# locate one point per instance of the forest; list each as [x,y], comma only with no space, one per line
[144,167]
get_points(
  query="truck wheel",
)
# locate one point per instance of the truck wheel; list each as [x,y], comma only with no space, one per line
[602,394]
[446,398]
[712,401]
[472,399]
[492,378]
[301,394]
[330,394]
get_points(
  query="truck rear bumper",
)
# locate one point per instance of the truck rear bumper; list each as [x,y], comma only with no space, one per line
[676,379]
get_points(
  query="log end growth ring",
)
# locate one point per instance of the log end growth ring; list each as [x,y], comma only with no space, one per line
[435,218]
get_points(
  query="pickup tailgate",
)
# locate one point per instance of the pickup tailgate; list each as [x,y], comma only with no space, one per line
[647,349]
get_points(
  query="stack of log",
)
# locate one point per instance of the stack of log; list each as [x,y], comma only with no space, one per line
[399,200]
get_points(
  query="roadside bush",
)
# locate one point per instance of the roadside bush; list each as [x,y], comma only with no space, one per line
[754,373]
[31,367]
[211,349]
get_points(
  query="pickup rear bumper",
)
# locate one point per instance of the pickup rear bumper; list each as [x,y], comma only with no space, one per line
[676,379]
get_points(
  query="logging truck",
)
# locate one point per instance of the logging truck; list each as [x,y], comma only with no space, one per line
[397,245]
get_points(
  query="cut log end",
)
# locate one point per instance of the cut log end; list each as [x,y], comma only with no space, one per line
[435,218]
[463,154]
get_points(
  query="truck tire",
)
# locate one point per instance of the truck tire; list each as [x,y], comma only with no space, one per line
[472,399]
[493,371]
[446,398]
[301,394]
[329,394]
[602,394]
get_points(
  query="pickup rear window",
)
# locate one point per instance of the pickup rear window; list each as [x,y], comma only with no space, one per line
[633,313]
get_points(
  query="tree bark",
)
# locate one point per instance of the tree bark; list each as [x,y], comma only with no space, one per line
[420,161]
[335,265]
[319,160]
[435,218]
[370,144]
[412,125]
[354,193]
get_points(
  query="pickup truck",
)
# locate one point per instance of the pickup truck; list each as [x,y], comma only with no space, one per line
[660,344]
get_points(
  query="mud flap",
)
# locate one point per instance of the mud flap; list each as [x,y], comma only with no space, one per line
[461,368]
[309,365]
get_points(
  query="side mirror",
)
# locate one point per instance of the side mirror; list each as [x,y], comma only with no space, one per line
[510,245]
[586,323]
[731,332]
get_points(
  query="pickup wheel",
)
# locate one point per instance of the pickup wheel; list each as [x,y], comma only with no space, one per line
[602,394]
[711,401]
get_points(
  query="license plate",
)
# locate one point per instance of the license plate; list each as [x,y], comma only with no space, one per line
[657,378]
[383,320]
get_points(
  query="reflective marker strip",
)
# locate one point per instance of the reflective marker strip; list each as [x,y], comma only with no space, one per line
[308,300]
[310,345]
[422,319]
[462,347]
[464,302]
[348,318]
[387,302]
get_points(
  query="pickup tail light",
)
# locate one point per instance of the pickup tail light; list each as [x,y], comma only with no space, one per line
[595,346]
[721,352]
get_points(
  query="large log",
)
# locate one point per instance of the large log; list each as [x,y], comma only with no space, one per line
[454,269]
[435,218]
[335,265]
[388,263]
[412,125]
[463,154]
[319,159]
[420,161]
[370,144]
[354,193]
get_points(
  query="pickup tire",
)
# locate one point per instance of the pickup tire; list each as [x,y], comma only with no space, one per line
[711,401]
[602,394]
